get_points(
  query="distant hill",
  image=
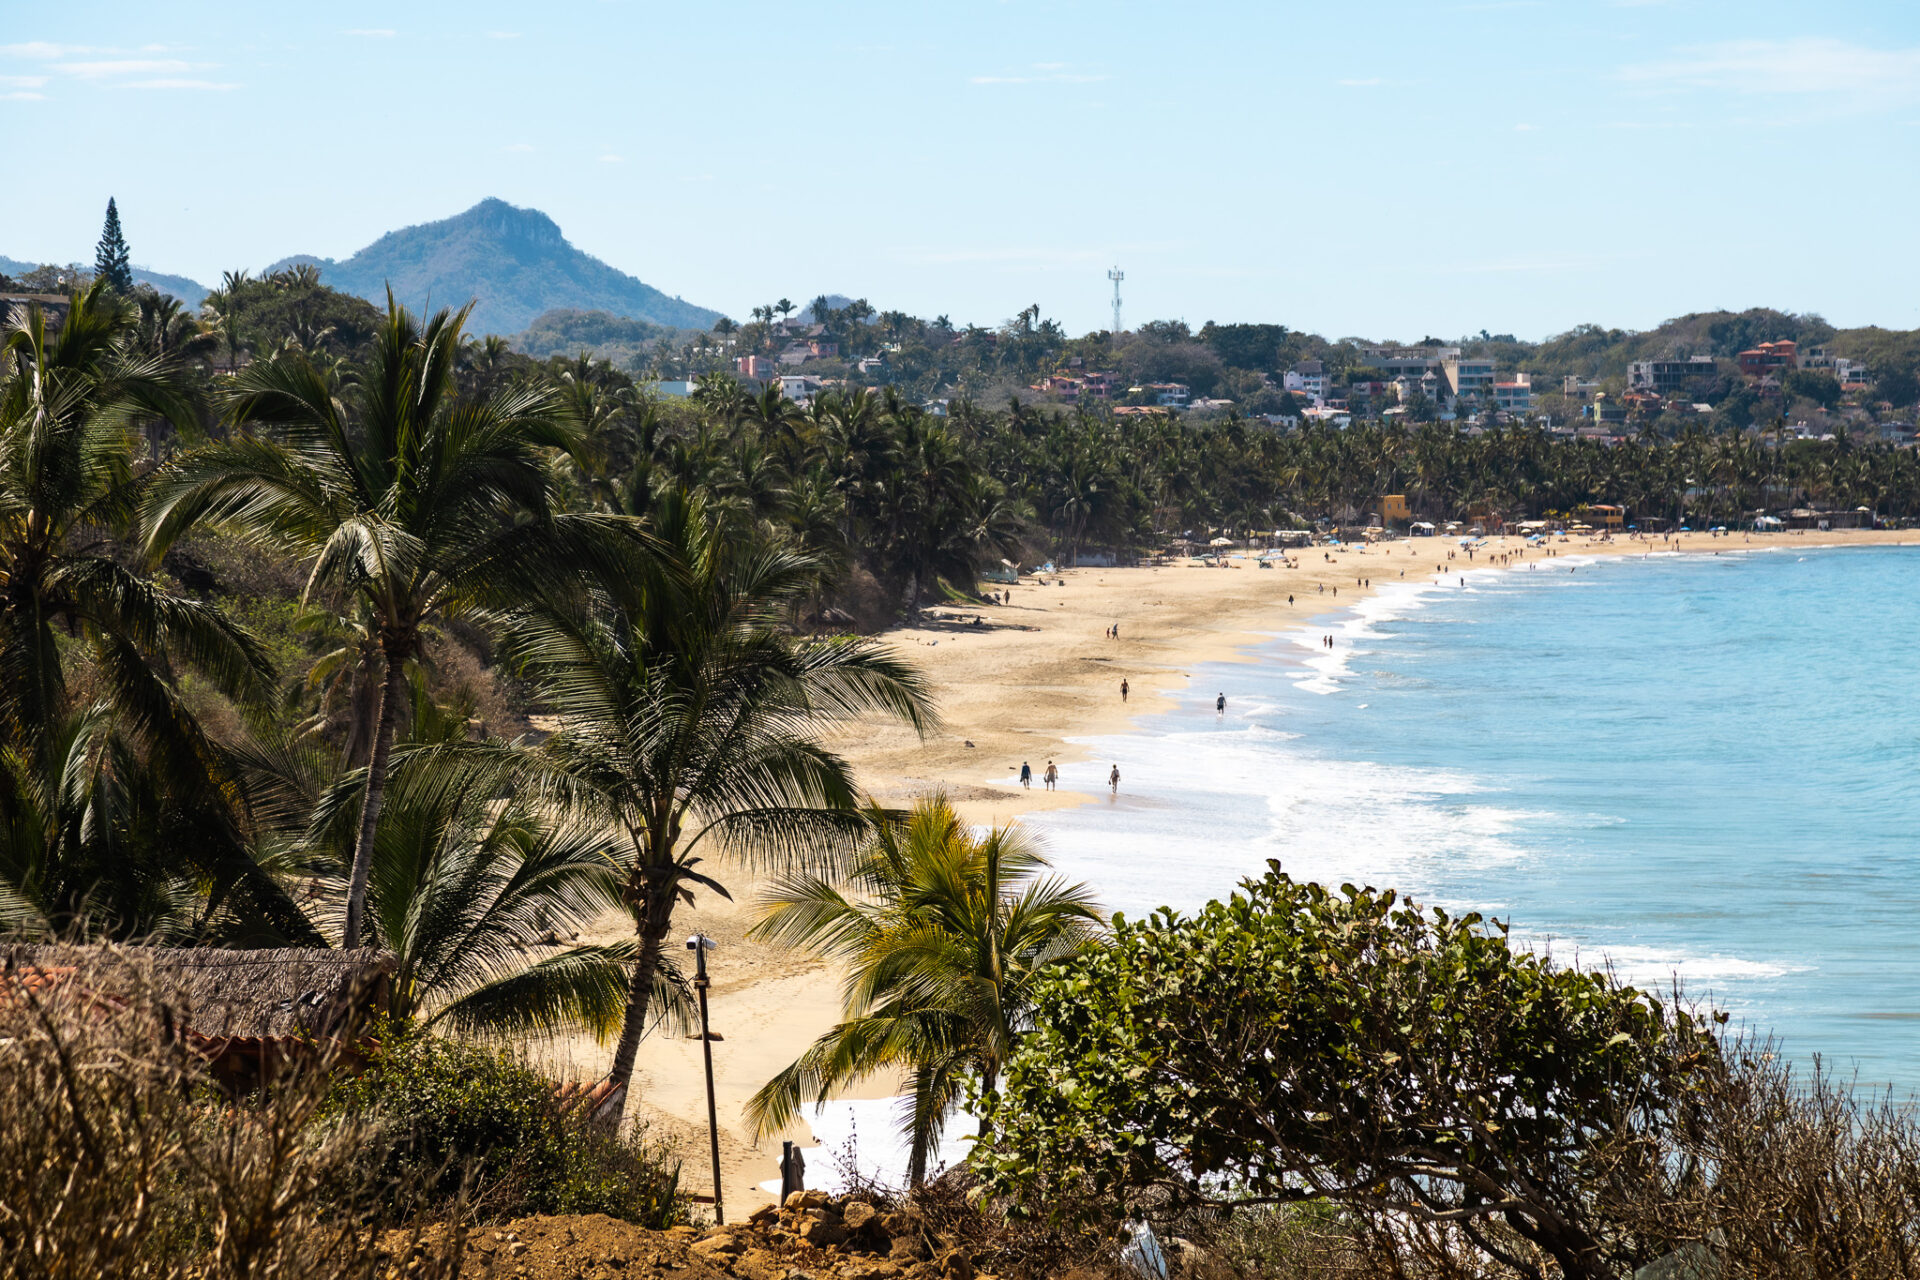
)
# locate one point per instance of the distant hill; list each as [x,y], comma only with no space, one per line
[513,262]
[620,340]
[191,292]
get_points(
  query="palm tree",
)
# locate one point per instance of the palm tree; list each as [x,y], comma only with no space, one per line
[465,881]
[689,718]
[68,405]
[409,497]
[943,943]
[114,826]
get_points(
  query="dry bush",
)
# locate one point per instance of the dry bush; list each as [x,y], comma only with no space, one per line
[119,1158]
[1769,1173]
[1790,1175]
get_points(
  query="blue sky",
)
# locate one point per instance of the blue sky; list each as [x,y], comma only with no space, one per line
[1388,169]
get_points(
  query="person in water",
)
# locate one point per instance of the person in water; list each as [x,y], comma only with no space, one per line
[1113,780]
[1220,703]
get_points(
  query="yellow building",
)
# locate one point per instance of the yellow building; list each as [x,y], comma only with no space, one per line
[1394,509]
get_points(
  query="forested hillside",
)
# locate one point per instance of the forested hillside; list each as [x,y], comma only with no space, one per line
[513,263]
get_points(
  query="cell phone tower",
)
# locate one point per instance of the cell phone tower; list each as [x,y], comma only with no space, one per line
[1116,275]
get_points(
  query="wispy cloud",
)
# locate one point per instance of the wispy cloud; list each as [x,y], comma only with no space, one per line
[371,33]
[123,67]
[41,49]
[1807,66]
[22,95]
[1042,73]
[117,70]
[177,82]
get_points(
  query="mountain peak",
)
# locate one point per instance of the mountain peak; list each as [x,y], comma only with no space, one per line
[495,216]
[514,264]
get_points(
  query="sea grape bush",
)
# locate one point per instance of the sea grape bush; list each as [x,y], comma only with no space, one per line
[1295,1044]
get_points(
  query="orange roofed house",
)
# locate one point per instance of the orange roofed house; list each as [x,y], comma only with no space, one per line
[1769,358]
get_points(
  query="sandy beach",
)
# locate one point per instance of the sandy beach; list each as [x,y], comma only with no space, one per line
[1015,687]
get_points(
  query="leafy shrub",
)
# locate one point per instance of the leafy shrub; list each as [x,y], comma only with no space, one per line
[1296,1044]
[461,1119]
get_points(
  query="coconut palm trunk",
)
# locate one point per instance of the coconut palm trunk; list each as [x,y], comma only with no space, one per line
[653,903]
[392,693]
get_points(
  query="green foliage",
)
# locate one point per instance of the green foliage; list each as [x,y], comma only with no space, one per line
[289,310]
[624,342]
[1294,1044]
[1246,346]
[1812,384]
[462,1119]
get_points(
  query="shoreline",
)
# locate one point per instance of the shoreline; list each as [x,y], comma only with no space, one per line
[1037,675]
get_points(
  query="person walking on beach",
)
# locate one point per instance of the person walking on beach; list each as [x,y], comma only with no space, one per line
[1123,690]
[1220,703]
[1052,775]
[1113,780]
[1026,775]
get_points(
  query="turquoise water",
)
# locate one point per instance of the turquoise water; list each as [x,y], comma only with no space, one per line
[1696,766]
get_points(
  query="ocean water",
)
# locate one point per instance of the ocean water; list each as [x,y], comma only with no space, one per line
[1696,766]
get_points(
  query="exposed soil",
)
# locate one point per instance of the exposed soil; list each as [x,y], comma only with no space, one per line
[811,1238]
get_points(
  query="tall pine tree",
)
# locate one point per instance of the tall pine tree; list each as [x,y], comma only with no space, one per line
[110,260]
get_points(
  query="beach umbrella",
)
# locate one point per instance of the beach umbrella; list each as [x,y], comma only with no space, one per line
[1221,542]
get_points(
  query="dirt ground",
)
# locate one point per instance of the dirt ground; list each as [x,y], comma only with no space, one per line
[813,1237]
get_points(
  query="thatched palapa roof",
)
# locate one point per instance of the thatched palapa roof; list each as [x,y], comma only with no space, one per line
[286,992]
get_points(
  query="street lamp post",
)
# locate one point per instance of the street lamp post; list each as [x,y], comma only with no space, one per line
[700,944]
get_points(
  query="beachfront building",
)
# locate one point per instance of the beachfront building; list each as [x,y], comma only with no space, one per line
[1666,377]
[1515,396]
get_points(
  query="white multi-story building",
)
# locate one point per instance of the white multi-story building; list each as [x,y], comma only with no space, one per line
[1308,378]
